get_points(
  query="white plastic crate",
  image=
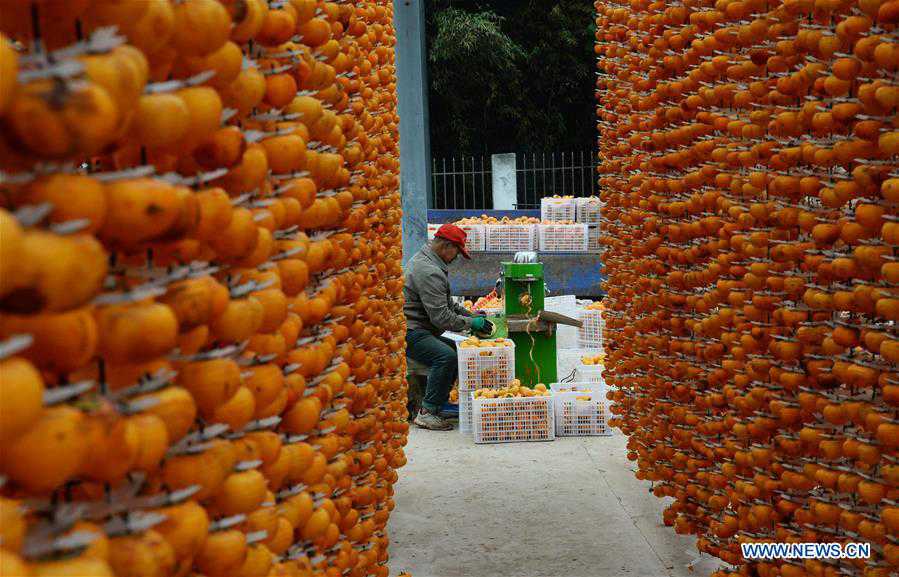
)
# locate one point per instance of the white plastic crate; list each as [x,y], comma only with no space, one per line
[567,362]
[581,413]
[562,237]
[566,336]
[589,210]
[573,386]
[513,419]
[593,238]
[590,373]
[491,312]
[475,239]
[569,366]
[510,237]
[465,412]
[486,367]
[560,303]
[590,334]
[558,209]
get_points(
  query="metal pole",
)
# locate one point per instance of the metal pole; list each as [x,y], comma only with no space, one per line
[582,173]
[464,199]
[543,172]
[553,171]
[434,183]
[415,150]
[563,173]
[455,189]
[483,185]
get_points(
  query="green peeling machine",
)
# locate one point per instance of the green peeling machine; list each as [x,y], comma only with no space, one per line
[531,328]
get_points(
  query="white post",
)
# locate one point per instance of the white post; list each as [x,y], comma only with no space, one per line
[505,191]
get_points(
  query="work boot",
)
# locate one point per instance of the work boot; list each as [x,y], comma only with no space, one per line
[432,422]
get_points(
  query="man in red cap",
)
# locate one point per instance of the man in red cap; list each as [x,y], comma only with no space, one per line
[430,311]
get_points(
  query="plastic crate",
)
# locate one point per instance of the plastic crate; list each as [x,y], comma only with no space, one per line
[593,238]
[573,386]
[486,367]
[510,237]
[465,418]
[475,239]
[513,419]
[557,209]
[581,413]
[589,210]
[563,237]
[566,336]
[590,334]
[569,366]
[560,303]
[589,374]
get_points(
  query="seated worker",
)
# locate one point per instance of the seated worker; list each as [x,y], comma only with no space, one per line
[430,311]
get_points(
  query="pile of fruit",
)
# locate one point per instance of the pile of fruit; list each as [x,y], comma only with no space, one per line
[488,302]
[514,389]
[748,163]
[513,414]
[484,219]
[201,329]
[475,342]
[485,363]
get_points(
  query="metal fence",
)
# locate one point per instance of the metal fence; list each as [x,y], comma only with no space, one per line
[466,182]
[562,173]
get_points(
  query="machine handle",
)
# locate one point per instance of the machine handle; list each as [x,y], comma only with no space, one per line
[559,319]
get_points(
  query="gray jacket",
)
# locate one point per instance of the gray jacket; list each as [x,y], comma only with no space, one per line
[427,291]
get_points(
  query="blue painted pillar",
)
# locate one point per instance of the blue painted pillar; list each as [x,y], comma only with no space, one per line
[415,146]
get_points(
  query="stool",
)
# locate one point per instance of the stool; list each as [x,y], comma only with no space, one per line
[417,377]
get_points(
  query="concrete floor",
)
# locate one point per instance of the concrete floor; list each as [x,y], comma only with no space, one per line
[567,508]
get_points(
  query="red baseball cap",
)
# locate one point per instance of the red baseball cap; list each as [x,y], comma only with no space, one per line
[455,235]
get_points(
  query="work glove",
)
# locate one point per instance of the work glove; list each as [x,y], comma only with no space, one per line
[480,325]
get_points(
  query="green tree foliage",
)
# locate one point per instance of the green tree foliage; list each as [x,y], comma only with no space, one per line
[510,75]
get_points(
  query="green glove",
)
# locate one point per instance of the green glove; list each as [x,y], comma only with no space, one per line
[478,324]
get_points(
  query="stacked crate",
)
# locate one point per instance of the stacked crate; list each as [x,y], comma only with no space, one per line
[562,237]
[515,419]
[510,237]
[558,209]
[486,366]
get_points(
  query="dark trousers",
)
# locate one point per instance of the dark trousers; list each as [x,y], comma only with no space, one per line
[438,354]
